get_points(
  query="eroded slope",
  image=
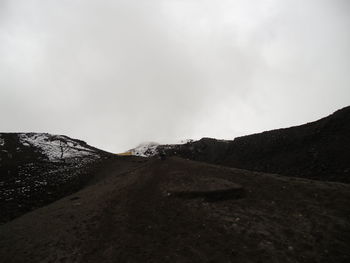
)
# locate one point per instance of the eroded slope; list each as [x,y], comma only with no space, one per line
[132,216]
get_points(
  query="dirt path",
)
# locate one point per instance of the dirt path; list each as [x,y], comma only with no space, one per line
[130,216]
[150,226]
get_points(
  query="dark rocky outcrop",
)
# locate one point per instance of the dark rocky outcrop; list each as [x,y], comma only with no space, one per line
[318,150]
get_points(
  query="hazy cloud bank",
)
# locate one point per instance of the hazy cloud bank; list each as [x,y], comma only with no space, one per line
[117,73]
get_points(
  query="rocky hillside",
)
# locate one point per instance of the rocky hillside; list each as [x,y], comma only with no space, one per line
[111,208]
[184,211]
[38,168]
[318,150]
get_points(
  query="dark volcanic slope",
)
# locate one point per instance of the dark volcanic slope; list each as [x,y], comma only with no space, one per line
[38,168]
[318,150]
[139,216]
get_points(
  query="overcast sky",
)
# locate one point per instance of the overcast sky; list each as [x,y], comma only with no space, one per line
[121,72]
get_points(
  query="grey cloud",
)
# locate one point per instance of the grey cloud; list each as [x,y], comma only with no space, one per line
[117,73]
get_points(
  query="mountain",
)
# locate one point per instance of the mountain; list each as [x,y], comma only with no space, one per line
[317,150]
[38,168]
[62,200]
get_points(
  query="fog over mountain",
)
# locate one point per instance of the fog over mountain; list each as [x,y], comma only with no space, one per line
[118,73]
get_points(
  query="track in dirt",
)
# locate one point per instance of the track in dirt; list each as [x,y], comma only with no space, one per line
[154,225]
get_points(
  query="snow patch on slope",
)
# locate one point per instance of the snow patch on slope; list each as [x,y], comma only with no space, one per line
[149,149]
[56,147]
[2,141]
[145,149]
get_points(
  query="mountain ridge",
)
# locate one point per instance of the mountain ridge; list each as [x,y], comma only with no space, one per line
[317,150]
[38,168]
